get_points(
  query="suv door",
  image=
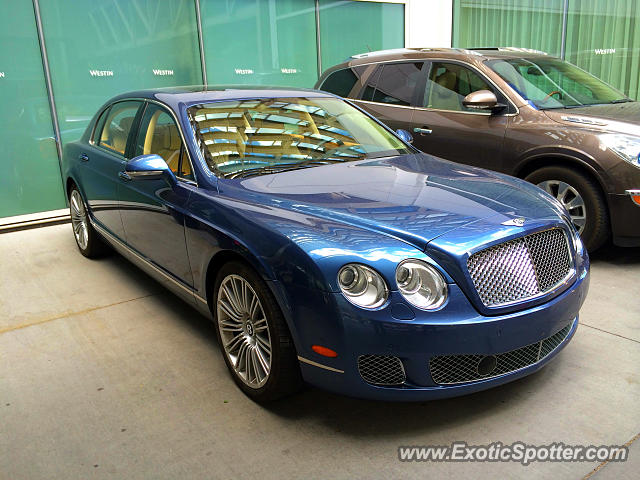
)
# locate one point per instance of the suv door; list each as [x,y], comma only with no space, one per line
[153,211]
[446,128]
[103,160]
[390,93]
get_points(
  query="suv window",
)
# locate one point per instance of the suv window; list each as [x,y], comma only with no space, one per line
[341,82]
[117,126]
[449,83]
[159,134]
[396,83]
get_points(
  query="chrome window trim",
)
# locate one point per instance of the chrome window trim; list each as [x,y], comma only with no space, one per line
[117,241]
[175,119]
[445,60]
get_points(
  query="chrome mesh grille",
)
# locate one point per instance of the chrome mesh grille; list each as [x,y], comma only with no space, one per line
[449,369]
[381,369]
[521,268]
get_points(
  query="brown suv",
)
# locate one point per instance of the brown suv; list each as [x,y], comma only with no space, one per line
[517,111]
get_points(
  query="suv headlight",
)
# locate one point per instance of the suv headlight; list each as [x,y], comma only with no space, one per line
[421,285]
[362,286]
[626,147]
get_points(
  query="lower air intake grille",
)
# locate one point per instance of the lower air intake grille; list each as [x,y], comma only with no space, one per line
[521,268]
[381,369]
[448,369]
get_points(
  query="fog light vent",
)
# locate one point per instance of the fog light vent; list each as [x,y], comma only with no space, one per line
[381,369]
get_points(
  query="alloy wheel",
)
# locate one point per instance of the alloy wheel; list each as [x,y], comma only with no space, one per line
[79,220]
[570,199]
[244,331]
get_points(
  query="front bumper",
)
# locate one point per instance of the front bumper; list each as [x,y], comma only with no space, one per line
[457,329]
[625,220]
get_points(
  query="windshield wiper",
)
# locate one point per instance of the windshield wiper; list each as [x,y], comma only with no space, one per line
[621,100]
[281,167]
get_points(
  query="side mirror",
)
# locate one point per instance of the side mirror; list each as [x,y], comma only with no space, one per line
[148,167]
[481,100]
[404,135]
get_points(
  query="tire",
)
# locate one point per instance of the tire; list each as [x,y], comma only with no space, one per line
[595,229]
[87,239]
[247,331]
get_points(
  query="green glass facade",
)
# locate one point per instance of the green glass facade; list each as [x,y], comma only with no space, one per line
[600,36]
[30,179]
[378,26]
[97,49]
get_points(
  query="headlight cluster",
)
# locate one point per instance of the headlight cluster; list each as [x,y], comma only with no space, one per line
[362,285]
[626,147]
[419,283]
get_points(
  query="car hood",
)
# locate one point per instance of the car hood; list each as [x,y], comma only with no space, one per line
[415,198]
[619,117]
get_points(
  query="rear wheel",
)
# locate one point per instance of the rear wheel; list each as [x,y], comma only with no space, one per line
[89,242]
[582,198]
[253,335]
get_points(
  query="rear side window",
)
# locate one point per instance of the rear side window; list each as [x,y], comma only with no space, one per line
[396,84]
[117,126]
[341,82]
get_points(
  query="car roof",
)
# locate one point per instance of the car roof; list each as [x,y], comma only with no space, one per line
[195,94]
[479,53]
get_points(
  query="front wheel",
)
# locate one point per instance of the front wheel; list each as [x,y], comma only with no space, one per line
[582,198]
[253,335]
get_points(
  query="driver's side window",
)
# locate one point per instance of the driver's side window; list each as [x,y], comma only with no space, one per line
[448,84]
[159,135]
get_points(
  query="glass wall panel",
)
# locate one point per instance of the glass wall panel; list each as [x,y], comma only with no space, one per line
[348,28]
[603,37]
[266,42]
[533,24]
[98,49]
[30,179]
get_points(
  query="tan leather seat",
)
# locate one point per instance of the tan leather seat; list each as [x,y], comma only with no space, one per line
[166,142]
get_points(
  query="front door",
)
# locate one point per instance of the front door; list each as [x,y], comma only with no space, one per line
[153,211]
[442,126]
[101,163]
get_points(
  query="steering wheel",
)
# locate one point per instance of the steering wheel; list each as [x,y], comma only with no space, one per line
[550,94]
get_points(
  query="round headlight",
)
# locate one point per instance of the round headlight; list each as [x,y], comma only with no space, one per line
[421,284]
[362,285]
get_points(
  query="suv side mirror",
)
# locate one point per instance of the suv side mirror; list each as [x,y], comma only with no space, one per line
[404,135]
[148,167]
[482,100]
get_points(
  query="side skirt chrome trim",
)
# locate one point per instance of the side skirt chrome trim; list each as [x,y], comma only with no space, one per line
[165,275]
[319,365]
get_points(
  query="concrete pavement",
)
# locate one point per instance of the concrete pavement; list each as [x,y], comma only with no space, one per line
[104,374]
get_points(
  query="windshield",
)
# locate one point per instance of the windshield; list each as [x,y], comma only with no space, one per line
[242,138]
[551,83]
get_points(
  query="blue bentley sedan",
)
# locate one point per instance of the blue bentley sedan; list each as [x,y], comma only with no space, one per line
[324,247]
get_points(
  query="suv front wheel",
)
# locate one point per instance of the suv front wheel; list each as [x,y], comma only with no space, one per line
[582,198]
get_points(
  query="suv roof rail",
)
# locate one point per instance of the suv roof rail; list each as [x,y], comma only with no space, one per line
[509,49]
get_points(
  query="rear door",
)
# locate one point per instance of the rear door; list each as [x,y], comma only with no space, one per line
[391,92]
[442,126]
[102,161]
[153,211]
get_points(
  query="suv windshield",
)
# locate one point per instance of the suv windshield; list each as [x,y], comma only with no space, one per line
[242,138]
[551,83]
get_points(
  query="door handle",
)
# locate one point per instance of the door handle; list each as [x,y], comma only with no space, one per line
[422,131]
[124,175]
[84,157]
